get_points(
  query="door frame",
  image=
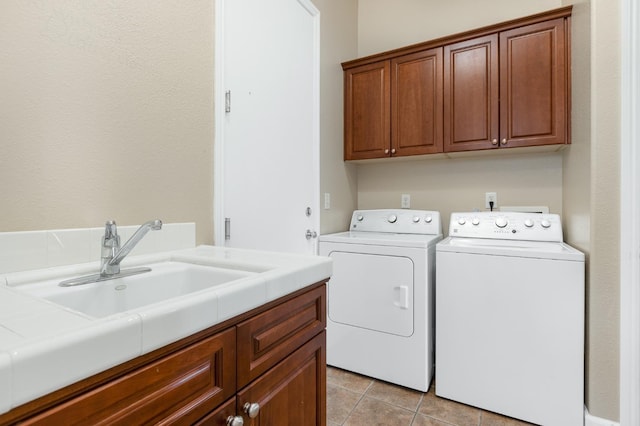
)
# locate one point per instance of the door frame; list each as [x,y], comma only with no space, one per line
[219,120]
[630,216]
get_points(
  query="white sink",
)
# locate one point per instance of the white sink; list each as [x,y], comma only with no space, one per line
[165,281]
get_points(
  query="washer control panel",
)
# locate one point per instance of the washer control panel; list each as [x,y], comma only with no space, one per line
[400,221]
[506,226]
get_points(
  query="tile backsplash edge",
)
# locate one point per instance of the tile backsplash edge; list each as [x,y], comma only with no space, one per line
[23,251]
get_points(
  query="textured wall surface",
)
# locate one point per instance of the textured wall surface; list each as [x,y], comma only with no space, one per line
[106,113]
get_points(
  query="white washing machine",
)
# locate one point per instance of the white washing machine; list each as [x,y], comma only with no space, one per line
[380,296]
[510,317]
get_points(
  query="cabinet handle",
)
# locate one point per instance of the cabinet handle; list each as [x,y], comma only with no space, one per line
[494,142]
[386,151]
[393,150]
[504,141]
[235,421]
[251,409]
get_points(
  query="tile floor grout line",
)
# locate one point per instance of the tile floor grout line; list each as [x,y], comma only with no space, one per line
[415,410]
[415,415]
[356,404]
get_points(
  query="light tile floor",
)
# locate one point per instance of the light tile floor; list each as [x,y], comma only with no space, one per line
[354,400]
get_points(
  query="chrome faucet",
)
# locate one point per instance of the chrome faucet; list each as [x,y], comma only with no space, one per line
[112,253]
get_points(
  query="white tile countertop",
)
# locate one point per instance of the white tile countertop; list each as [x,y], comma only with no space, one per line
[45,346]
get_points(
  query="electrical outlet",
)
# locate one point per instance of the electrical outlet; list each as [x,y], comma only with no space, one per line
[488,197]
[327,200]
[405,201]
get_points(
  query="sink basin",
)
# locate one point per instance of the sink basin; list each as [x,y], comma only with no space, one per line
[166,280]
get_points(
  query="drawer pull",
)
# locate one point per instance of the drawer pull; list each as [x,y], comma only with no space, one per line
[251,409]
[235,421]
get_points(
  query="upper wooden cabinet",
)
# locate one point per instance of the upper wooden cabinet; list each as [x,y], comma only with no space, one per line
[394,107]
[416,103]
[502,86]
[471,104]
[507,89]
[367,111]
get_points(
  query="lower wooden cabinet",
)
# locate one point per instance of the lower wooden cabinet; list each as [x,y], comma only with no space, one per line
[177,389]
[221,416]
[266,367]
[290,394]
[293,392]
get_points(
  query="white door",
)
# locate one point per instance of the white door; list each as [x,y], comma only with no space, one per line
[267,172]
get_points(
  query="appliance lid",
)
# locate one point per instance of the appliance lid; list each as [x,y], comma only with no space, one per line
[513,248]
[381,239]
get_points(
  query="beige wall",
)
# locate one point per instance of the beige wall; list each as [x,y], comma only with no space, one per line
[591,195]
[459,184]
[106,113]
[338,32]
[385,25]
[603,291]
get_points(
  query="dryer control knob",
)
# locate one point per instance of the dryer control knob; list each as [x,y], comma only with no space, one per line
[428,219]
[461,221]
[528,223]
[501,222]
[416,219]
[475,221]
[545,223]
[392,218]
[359,218]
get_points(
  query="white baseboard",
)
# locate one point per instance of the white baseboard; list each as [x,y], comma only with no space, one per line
[590,420]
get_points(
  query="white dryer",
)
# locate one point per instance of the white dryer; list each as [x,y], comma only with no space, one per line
[510,317]
[380,296]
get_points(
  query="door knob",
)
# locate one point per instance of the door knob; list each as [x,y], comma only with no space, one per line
[310,234]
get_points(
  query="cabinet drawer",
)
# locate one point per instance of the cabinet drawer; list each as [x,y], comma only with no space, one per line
[220,415]
[181,387]
[266,339]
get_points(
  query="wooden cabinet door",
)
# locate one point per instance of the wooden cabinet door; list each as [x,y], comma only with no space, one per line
[471,94]
[533,87]
[293,393]
[416,103]
[367,111]
[177,389]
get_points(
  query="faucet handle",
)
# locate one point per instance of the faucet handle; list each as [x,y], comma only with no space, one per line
[110,232]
